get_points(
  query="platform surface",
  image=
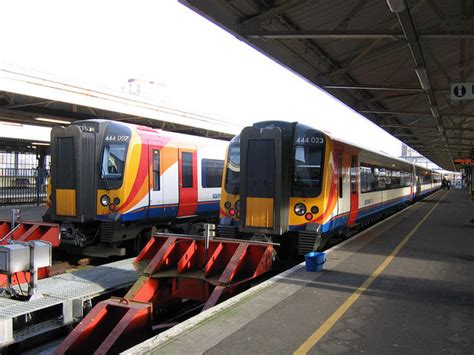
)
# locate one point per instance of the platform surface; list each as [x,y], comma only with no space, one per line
[417,273]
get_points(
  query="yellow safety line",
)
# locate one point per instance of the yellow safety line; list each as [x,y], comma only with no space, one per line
[328,324]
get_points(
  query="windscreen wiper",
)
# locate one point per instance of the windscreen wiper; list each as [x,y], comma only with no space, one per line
[107,186]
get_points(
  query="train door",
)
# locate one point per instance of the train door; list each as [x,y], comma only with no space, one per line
[264,198]
[354,190]
[188,189]
[340,184]
[417,181]
[155,199]
[260,183]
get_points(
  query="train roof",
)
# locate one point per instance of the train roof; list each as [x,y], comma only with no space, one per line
[152,130]
[377,152]
[288,124]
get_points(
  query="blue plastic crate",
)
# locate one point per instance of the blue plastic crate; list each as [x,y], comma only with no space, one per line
[315,260]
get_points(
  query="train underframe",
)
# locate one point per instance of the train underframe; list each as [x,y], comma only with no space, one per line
[115,238]
[296,243]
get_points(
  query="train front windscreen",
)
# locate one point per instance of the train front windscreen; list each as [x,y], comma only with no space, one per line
[232,180]
[113,157]
[309,148]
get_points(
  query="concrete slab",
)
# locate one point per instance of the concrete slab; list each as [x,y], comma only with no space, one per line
[419,300]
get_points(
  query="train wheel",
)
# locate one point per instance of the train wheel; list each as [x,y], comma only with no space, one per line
[136,245]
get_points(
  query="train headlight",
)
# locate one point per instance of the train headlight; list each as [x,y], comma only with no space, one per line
[314,210]
[300,209]
[105,200]
[227,204]
[116,201]
[237,206]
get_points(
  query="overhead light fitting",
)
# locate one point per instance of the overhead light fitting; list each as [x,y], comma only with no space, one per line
[423,78]
[396,5]
[39,143]
[434,111]
[51,120]
[11,124]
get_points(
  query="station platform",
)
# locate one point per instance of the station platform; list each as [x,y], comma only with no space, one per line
[403,286]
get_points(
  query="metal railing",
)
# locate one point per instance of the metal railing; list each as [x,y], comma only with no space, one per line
[21,186]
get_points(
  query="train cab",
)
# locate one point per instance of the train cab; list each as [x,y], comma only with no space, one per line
[112,181]
[299,187]
[274,181]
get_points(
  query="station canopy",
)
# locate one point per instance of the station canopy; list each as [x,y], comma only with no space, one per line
[405,65]
[39,99]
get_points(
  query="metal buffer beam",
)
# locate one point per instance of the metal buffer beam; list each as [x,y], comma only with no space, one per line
[25,232]
[171,268]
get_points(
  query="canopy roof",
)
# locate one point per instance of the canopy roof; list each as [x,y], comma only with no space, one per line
[393,61]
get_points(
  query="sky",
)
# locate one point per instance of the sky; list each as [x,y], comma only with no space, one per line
[199,66]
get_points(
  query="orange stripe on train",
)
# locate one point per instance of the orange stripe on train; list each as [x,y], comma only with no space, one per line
[140,180]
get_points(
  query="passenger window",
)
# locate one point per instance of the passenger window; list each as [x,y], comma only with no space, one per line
[365,178]
[211,172]
[156,170]
[187,169]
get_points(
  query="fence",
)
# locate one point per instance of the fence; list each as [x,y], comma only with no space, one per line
[19,181]
[20,186]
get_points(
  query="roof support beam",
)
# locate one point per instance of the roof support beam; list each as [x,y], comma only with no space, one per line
[355,10]
[407,113]
[39,103]
[274,11]
[374,44]
[423,134]
[352,35]
[324,35]
[407,126]
[448,128]
[374,87]
[436,10]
